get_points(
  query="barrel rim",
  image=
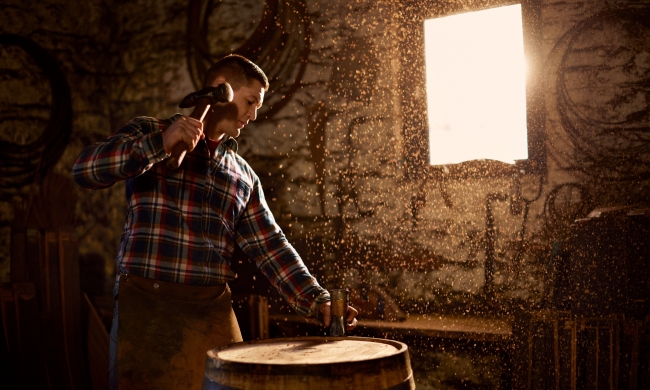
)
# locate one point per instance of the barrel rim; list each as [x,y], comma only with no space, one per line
[399,346]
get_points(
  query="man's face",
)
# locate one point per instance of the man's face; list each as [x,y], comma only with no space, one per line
[230,118]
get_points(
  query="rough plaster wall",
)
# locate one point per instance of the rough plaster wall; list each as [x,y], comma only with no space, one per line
[596,147]
[118,64]
[123,59]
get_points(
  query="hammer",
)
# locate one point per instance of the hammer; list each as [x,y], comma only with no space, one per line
[222,93]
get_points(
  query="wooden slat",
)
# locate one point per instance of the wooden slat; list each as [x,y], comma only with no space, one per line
[70,307]
[97,347]
[522,353]
[32,363]
[34,260]
[55,347]
[50,352]
[18,266]
[10,325]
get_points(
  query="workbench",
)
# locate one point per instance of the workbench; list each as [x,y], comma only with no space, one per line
[488,329]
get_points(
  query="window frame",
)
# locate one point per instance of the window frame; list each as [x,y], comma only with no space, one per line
[412,77]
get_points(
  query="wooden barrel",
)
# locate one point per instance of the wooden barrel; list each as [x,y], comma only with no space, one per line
[312,363]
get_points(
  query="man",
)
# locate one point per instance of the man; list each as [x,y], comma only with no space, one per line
[180,232]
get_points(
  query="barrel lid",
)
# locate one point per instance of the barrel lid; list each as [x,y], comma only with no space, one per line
[308,350]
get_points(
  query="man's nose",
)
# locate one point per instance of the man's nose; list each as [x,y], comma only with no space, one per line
[252,114]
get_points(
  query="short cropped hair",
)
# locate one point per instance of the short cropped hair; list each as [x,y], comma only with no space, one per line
[238,70]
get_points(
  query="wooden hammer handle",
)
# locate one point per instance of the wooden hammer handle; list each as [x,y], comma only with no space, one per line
[180,149]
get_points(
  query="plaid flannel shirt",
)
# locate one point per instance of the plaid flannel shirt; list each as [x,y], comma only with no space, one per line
[182,225]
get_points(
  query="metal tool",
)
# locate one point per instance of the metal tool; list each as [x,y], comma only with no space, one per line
[222,93]
[340,300]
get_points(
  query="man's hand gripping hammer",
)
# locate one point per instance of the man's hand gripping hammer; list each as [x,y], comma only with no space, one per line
[222,93]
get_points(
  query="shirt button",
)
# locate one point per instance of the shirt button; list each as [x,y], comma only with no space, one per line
[156,285]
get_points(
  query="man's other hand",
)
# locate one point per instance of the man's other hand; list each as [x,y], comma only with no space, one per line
[350,320]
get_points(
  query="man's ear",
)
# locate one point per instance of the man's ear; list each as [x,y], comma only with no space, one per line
[219,80]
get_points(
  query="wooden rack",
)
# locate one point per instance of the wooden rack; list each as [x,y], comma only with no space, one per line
[41,310]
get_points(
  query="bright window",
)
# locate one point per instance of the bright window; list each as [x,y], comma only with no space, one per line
[476,91]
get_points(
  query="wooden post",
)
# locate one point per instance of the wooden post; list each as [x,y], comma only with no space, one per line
[258,307]
[29,337]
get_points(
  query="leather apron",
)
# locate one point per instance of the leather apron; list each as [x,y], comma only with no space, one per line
[165,330]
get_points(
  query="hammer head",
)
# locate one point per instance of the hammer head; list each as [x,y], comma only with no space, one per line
[222,93]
